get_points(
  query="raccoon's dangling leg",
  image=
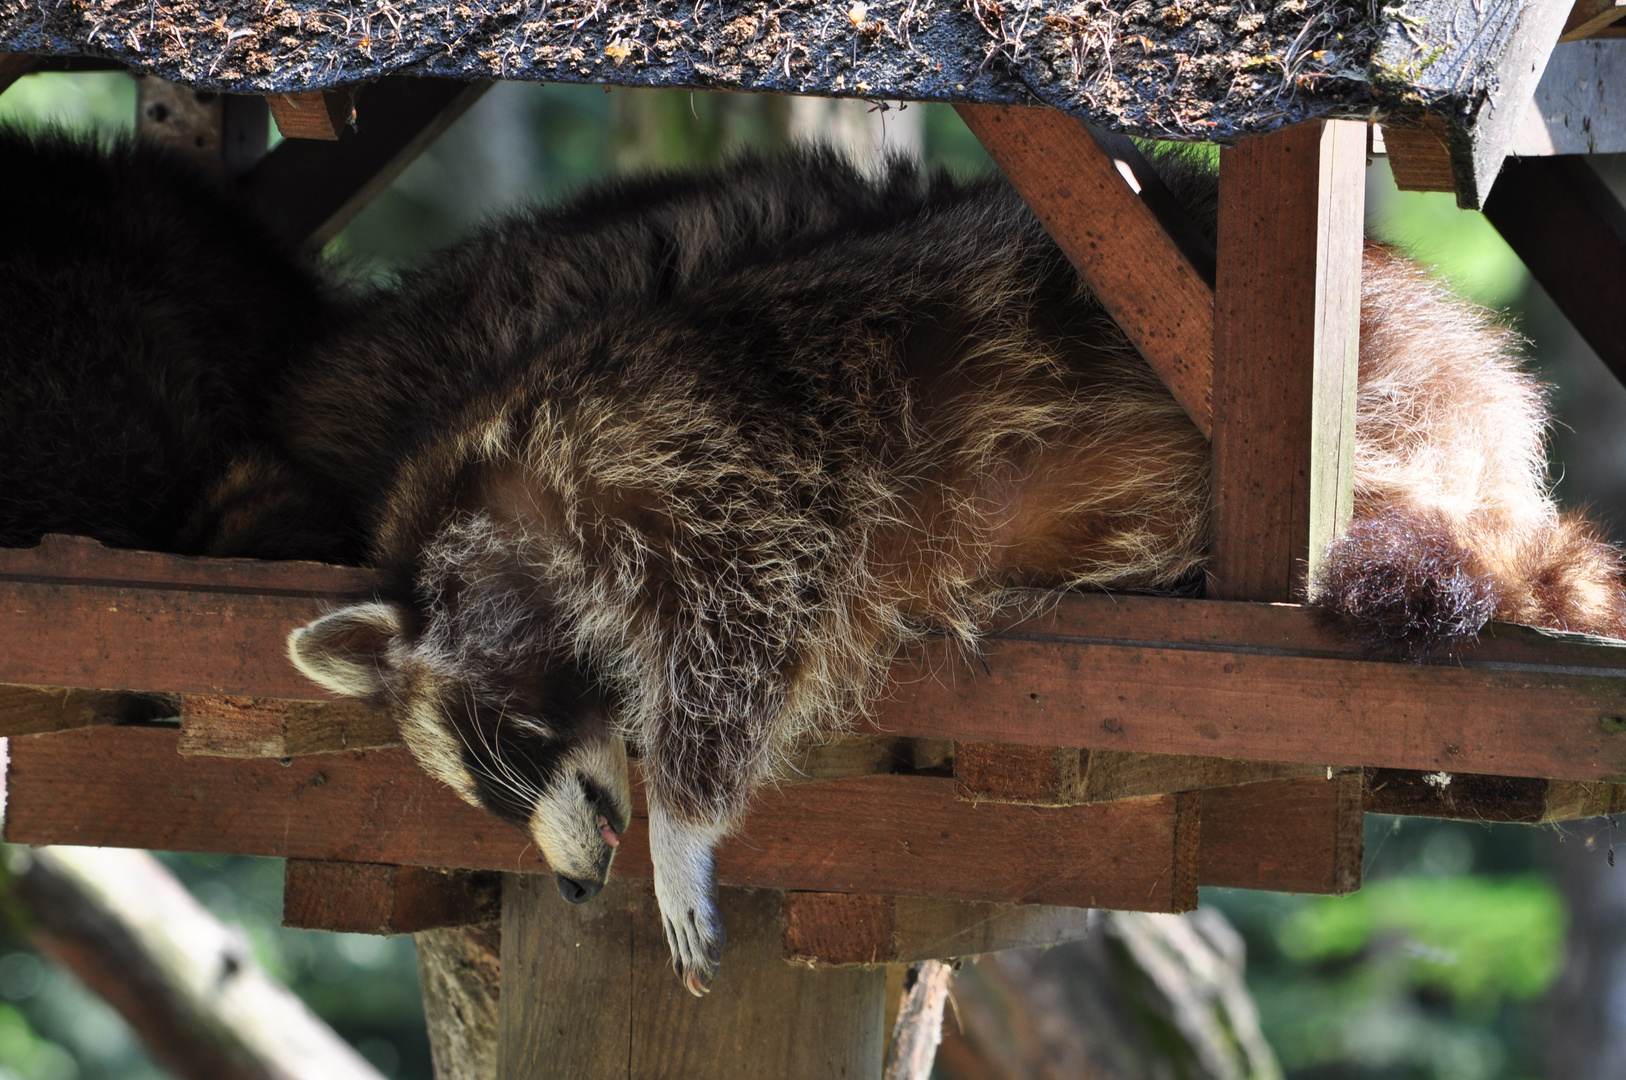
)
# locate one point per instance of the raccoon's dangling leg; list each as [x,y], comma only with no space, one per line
[686,890]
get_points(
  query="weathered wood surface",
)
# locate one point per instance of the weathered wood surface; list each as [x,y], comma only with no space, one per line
[225,725]
[309,190]
[588,991]
[1265,682]
[220,135]
[1580,104]
[1301,835]
[127,787]
[1475,67]
[1466,797]
[1286,348]
[1569,229]
[1420,156]
[315,114]
[1062,776]
[460,971]
[80,615]
[1130,243]
[376,898]
[855,928]
[912,1047]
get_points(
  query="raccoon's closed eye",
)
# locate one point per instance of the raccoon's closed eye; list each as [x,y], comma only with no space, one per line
[600,800]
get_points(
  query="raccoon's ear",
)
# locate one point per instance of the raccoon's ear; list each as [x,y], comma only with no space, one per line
[345,652]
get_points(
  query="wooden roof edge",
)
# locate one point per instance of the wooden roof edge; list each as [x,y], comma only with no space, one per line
[1198,71]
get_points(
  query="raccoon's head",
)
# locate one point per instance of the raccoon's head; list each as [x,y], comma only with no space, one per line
[530,739]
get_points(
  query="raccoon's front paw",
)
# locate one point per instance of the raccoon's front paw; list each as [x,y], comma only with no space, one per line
[686,890]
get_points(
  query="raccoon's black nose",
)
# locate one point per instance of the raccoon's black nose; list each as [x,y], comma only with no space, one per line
[577,892]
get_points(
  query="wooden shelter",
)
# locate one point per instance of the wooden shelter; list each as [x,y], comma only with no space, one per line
[1115,753]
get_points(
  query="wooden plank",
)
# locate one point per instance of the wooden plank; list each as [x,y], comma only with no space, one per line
[233,726]
[309,190]
[37,710]
[1580,104]
[1570,231]
[1064,776]
[1467,797]
[377,898]
[221,135]
[847,928]
[1420,155]
[127,787]
[1476,67]
[1302,835]
[460,971]
[1136,263]
[1286,349]
[318,114]
[1251,682]
[587,991]
[1587,17]
[13,66]
[1266,682]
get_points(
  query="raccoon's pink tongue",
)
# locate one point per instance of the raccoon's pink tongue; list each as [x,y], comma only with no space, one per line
[608,833]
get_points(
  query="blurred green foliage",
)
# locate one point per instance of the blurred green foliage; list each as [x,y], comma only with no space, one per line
[1482,941]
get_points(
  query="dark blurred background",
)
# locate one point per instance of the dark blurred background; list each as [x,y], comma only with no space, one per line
[1472,953]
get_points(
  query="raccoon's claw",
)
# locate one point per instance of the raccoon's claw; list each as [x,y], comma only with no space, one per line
[685,888]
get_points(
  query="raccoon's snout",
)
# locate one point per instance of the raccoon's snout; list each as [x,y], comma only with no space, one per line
[577,892]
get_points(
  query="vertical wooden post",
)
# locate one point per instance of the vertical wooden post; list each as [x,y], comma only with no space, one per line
[588,991]
[1286,348]
[222,135]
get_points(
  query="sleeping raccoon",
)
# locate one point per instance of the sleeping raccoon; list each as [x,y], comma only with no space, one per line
[686,464]
[145,319]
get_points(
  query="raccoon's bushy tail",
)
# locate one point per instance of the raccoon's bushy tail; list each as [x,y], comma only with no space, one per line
[1417,582]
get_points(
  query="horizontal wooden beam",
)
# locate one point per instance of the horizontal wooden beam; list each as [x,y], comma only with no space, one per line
[127,787]
[1509,799]
[1152,270]
[1262,682]
[229,726]
[1064,776]
[853,928]
[374,898]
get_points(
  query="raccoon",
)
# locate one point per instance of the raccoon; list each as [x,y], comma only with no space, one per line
[146,319]
[684,465]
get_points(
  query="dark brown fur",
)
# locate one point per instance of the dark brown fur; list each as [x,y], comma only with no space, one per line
[145,318]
